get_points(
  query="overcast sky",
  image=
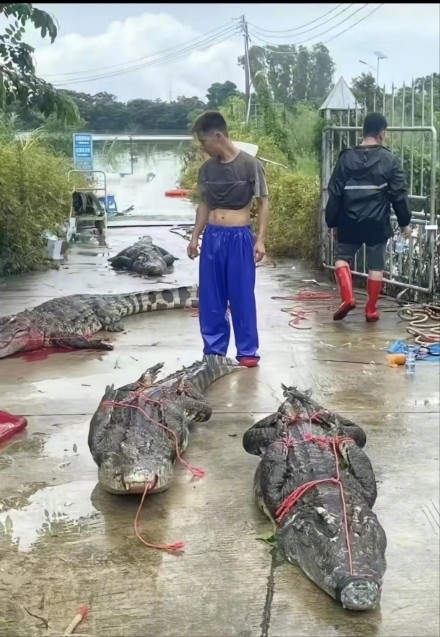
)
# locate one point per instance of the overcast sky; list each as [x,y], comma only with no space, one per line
[95,41]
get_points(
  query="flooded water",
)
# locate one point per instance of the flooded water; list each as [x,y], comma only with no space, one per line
[138,174]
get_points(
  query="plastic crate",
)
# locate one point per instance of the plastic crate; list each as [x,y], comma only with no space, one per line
[10,425]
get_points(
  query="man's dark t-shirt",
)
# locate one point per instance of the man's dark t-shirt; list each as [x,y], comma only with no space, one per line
[232,185]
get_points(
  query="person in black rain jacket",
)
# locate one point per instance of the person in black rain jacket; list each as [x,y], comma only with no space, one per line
[367,180]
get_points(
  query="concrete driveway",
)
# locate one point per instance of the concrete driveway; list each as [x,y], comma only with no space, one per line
[64,542]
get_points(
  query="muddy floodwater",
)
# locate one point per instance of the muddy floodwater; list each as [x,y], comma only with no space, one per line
[65,543]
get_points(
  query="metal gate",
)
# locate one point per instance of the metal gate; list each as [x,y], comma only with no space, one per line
[417,268]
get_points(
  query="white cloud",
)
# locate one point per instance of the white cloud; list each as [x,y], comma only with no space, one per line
[145,36]
[407,33]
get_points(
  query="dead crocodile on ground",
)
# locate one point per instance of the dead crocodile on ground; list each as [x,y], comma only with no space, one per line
[144,258]
[139,430]
[70,321]
[317,486]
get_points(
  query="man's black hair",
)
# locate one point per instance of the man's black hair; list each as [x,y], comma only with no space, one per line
[210,122]
[374,124]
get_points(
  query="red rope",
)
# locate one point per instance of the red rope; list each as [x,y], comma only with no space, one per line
[177,546]
[294,497]
[299,313]
[199,473]
[307,295]
[192,312]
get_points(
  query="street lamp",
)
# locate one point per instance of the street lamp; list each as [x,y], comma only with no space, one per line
[380,56]
[366,64]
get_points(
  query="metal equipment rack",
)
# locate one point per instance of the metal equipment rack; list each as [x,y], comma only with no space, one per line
[97,222]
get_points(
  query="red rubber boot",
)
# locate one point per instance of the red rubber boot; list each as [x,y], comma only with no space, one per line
[343,277]
[374,289]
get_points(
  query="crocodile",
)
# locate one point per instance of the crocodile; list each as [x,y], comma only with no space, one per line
[127,438]
[317,486]
[144,258]
[69,321]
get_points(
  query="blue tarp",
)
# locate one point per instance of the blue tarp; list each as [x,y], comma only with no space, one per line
[425,353]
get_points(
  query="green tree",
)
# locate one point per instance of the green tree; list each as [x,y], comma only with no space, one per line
[364,89]
[294,74]
[219,93]
[18,82]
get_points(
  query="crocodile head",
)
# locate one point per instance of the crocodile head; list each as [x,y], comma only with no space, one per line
[17,334]
[315,538]
[130,473]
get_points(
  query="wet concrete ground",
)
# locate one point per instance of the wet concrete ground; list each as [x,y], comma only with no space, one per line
[63,542]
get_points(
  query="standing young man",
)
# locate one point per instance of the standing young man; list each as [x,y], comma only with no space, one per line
[366,181]
[227,183]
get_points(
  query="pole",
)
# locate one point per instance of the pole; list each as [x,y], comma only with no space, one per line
[376,88]
[247,70]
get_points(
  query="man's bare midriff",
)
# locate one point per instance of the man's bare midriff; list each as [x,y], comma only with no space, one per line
[219,217]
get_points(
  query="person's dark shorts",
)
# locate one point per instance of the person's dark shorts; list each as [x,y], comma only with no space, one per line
[375,254]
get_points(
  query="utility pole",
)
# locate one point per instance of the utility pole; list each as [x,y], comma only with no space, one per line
[247,69]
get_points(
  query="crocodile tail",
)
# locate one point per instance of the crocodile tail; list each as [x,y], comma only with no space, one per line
[154,300]
[205,372]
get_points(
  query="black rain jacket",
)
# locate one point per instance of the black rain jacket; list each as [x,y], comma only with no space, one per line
[366,182]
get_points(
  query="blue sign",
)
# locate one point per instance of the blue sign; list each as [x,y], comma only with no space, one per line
[83,151]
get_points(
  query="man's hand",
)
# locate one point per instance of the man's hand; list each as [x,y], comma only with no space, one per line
[406,231]
[193,249]
[259,250]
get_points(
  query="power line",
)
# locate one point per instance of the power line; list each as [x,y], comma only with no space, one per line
[353,25]
[317,35]
[218,31]
[288,32]
[160,60]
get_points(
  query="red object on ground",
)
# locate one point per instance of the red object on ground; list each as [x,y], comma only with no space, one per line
[178,192]
[10,425]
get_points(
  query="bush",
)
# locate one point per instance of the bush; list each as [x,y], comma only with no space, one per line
[294,212]
[34,196]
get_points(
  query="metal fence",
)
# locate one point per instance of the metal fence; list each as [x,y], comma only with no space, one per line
[412,135]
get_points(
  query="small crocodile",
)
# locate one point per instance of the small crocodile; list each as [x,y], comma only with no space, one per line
[69,321]
[144,258]
[318,488]
[127,437]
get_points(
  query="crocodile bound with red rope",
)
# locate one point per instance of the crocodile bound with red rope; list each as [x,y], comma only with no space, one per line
[318,487]
[141,429]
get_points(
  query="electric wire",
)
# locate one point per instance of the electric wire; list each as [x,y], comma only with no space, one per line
[219,31]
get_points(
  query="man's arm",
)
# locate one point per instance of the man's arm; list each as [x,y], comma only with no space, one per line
[398,192]
[262,196]
[202,214]
[335,196]
[202,211]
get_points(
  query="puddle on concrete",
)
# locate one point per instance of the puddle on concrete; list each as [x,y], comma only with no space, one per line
[51,511]
[68,441]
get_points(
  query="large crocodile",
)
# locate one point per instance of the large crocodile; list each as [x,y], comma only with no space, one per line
[143,257]
[69,321]
[318,488]
[140,429]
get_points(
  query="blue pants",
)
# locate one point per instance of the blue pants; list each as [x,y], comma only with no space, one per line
[227,273]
